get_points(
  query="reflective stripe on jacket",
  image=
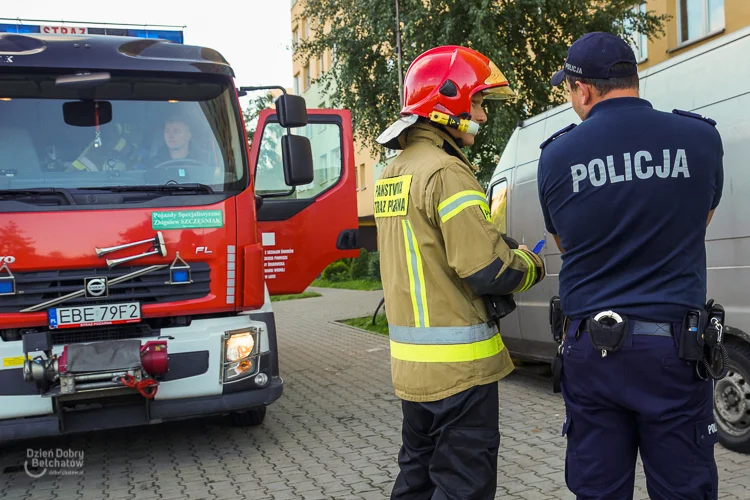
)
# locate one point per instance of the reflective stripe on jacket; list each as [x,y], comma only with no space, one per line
[438,249]
[117,152]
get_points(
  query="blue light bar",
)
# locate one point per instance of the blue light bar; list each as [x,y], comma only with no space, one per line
[18,28]
[175,36]
[6,286]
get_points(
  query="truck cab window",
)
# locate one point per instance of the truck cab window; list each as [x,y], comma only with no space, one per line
[161,131]
[498,205]
[325,141]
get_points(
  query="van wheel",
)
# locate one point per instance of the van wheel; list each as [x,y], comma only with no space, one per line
[249,418]
[732,400]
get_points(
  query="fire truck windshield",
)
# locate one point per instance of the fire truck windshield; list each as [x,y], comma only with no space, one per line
[125,131]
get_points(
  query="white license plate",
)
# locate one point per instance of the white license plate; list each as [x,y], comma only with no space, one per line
[105,314]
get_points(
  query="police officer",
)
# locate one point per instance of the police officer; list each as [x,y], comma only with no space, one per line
[440,255]
[628,194]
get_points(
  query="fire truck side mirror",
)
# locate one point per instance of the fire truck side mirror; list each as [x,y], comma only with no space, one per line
[291,110]
[297,158]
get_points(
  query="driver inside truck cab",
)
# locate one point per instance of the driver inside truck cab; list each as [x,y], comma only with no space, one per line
[180,141]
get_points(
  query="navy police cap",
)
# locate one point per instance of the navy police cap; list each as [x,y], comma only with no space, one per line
[593,56]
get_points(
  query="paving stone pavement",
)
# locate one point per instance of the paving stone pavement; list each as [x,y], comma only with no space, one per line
[334,434]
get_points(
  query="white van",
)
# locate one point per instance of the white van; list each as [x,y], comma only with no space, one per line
[713,80]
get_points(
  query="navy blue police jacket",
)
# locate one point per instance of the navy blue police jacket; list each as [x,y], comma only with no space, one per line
[628,191]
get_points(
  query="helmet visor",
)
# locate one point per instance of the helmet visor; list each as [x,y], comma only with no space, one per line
[496,86]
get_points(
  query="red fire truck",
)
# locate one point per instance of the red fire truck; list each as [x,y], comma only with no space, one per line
[140,237]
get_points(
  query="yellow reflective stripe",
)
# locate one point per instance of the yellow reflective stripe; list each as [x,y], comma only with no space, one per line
[84,163]
[422,290]
[447,353]
[531,275]
[462,200]
[416,276]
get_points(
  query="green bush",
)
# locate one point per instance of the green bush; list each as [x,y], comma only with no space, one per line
[336,271]
[360,267]
[374,266]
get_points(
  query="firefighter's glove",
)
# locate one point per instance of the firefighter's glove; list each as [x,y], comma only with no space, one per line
[510,241]
[504,304]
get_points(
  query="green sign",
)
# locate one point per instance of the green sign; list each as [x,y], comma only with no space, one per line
[187,219]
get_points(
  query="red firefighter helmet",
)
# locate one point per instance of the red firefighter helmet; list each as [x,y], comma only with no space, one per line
[445,78]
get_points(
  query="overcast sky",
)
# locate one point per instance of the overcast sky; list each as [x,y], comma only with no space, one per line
[256,44]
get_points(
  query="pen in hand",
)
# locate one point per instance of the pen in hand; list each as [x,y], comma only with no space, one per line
[539,246]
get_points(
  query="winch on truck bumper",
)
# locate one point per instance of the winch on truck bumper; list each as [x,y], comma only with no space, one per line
[95,366]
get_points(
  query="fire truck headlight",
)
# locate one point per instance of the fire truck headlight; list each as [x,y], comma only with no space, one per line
[239,346]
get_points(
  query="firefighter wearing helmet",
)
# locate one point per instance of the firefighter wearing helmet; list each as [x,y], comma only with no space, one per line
[442,261]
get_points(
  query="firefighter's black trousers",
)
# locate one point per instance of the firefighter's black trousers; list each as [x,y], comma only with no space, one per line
[450,447]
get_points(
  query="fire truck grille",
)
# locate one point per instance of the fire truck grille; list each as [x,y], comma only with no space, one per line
[83,335]
[40,286]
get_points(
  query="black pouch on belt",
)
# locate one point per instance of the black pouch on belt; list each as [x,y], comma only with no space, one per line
[608,331]
[691,335]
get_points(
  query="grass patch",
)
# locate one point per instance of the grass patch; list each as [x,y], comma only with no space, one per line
[303,295]
[361,284]
[365,322]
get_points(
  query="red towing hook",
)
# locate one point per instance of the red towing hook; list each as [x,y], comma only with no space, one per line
[147,387]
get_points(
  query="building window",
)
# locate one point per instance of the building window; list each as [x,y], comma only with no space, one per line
[295,40]
[698,18]
[320,66]
[296,84]
[308,80]
[639,42]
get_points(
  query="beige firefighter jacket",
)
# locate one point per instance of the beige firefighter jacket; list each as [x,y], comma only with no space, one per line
[437,245]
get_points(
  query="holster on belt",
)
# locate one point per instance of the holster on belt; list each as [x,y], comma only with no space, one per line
[557,327]
[556,319]
[701,341]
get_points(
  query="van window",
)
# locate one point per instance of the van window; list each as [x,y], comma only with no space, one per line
[498,205]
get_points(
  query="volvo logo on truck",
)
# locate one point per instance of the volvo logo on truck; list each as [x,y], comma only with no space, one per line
[96,287]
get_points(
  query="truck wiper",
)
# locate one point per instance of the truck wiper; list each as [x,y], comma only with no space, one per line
[164,188]
[22,193]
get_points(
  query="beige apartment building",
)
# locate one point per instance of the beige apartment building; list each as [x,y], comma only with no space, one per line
[692,23]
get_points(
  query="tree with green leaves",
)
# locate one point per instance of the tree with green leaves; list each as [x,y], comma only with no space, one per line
[269,156]
[251,112]
[527,39]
